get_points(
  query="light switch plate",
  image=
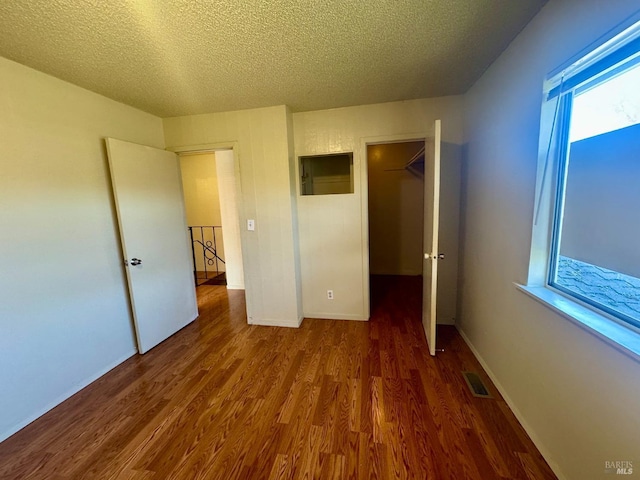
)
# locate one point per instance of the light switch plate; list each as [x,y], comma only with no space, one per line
[251,224]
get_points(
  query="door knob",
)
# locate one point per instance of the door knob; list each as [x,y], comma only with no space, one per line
[441,256]
[135,261]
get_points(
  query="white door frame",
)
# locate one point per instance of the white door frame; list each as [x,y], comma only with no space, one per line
[364,189]
[212,148]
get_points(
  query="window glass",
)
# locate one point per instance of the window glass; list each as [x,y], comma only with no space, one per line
[326,174]
[609,106]
[596,244]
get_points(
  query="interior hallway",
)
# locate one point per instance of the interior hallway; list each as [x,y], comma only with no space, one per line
[334,399]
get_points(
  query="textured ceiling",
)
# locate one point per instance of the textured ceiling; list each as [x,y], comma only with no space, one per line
[179,57]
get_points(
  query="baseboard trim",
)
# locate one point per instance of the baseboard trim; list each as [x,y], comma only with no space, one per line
[270,322]
[446,322]
[336,316]
[402,273]
[235,287]
[534,438]
[71,392]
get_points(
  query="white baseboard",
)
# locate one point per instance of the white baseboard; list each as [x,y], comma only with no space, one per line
[336,316]
[270,322]
[446,322]
[75,389]
[235,287]
[534,438]
[401,273]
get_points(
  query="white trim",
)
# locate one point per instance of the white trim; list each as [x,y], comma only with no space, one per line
[532,435]
[362,157]
[337,316]
[272,322]
[598,49]
[623,338]
[446,322]
[204,148]
[68,394]
[234,147]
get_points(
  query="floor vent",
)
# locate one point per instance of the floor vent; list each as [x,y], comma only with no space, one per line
[475,385]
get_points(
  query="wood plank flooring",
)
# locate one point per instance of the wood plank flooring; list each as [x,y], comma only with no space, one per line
[333,399]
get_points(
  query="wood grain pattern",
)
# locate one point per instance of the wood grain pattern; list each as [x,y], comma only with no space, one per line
[334,399]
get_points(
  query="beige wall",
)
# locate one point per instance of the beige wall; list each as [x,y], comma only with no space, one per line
[201,193]
[396,198]
[262,150]
[64,314]
[576,395]
[333,228]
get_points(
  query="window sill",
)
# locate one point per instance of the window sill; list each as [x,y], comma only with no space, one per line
[622,338]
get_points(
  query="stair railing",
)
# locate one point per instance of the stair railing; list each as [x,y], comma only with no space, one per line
[204,250]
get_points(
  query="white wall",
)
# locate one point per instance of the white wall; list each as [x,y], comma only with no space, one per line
[261,138]
[576,395]
[64,314]
[396,216]
[225,170]
[333,235]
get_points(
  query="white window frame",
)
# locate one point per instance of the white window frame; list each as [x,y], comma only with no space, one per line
[558,91]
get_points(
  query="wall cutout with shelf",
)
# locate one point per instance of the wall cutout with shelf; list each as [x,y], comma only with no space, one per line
[326,174]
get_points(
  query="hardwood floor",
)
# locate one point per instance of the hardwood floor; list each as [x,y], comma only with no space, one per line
[333,399]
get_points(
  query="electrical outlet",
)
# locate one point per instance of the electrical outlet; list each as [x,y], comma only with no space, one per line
[330,294]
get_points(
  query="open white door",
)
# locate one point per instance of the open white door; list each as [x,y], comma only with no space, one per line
[153,231]
[431,222]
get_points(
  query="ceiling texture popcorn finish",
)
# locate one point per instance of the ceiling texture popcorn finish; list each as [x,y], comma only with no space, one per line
[181,57]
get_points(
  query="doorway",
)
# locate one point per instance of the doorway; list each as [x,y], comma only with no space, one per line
[209,186]
[395,173]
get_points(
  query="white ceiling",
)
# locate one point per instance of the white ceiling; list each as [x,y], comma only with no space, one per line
[180,57]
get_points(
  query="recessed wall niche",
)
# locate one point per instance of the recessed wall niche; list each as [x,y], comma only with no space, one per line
[326,174]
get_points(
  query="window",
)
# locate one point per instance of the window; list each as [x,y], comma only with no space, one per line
[326,174]
[587,220]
